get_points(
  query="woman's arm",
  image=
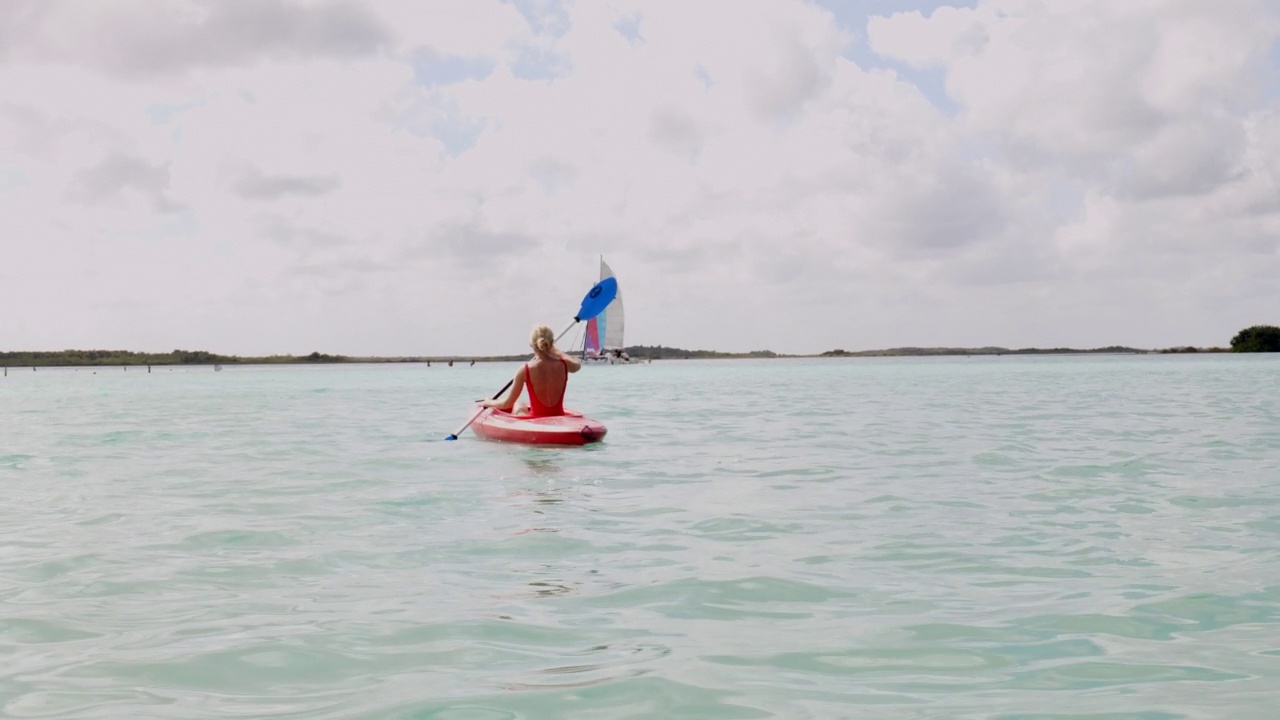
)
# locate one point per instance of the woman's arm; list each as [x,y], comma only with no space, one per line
[570,362]
[508,402]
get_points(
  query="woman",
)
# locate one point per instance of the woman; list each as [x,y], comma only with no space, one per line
[547,377]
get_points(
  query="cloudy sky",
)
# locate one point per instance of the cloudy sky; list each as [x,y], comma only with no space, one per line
[400,177]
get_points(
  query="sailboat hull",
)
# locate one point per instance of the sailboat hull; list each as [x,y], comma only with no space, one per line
[607,359]
[568,429]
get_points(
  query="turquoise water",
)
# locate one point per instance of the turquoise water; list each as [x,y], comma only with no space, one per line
[1015,538]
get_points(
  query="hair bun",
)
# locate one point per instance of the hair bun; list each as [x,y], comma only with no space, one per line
[542,339]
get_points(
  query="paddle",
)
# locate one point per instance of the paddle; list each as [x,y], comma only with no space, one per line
[592,305]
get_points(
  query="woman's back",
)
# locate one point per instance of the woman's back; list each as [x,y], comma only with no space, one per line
[547,380]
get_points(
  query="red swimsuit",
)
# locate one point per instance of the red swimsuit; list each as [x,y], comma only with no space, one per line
[536,407]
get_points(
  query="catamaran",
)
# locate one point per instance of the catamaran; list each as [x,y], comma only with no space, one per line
[602,341]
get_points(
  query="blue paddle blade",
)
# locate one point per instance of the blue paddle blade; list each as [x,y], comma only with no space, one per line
[598,299]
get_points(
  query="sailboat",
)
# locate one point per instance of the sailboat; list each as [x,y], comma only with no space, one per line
[603,339]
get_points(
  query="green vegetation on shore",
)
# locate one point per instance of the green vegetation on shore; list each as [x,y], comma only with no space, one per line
[662,352]
[93,358]
[1259,338]
[989,350]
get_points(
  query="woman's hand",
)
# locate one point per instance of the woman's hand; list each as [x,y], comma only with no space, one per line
[517,386]
[570,361]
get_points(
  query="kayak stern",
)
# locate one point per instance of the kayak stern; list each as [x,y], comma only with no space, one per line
[569,429]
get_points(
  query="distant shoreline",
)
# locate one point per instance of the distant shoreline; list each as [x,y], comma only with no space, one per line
[931,352]
[116,358]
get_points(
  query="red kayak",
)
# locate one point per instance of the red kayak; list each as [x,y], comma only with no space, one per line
[571,428]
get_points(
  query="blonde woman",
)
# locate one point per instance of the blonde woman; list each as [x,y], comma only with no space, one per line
[547,377]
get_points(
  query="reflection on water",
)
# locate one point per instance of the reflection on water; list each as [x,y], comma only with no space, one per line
[541,465]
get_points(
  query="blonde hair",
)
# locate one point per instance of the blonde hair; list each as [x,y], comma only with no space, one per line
[542,340]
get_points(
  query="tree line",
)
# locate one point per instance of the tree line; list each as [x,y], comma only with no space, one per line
[660,352]
[1256,338]
[79,358]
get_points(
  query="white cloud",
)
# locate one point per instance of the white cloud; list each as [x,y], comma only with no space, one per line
[118,173]
[387,177]
[254,185]
[138,38]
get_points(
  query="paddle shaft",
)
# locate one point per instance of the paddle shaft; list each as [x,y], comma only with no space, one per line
[504,388]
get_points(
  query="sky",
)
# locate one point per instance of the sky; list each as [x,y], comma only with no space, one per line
[378,177]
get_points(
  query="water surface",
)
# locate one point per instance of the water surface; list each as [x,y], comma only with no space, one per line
[1015,538]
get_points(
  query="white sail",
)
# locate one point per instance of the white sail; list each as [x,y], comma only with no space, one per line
[613,321]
